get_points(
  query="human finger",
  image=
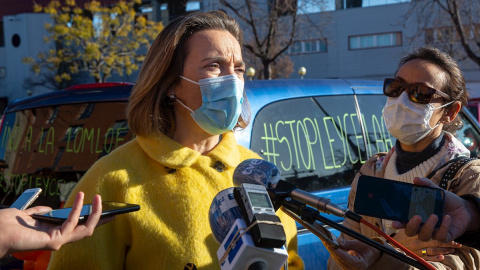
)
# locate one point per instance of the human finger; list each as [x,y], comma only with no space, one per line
[37,210]
[421,181]
[347,259]
[426,231]
[432,251]
[72,221]
[85,230]
[411,228]
[94,217]
[450,244]
[398,225]
[442,234]
[363,254]
[434,254]
[434,258]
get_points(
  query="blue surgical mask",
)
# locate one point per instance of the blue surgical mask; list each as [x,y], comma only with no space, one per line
[222,99]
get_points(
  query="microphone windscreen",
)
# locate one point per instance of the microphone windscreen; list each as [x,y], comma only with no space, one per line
[257,171]
[223,212]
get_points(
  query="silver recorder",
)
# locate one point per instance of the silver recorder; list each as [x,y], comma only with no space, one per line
[256,200]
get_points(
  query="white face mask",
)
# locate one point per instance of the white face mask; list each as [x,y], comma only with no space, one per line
[408,121]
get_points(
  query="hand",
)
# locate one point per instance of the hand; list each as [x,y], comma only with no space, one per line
[20,232]
[354,254]
[434,249]
[459,215]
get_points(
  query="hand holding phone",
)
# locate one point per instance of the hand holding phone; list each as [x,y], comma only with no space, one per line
[108,209]
[394,200]
[21,232]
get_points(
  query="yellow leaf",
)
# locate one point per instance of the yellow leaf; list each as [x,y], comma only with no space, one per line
[27,60]
[66,76]
[77,10]
[37,8]
[109,60]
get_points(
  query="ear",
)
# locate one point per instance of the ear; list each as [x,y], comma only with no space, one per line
[451,113]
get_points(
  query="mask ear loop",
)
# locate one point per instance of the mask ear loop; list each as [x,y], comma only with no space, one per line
[187,79]
[174,98]
[451,102]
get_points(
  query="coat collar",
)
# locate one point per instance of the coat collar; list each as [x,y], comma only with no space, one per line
[171,154]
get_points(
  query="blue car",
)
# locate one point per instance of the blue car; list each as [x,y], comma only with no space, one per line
[317,132]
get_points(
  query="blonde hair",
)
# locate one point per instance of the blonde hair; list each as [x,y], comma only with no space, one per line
[150,110]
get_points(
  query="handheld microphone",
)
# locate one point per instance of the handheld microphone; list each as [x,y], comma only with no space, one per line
[258,172]
[265,173]
[238,251]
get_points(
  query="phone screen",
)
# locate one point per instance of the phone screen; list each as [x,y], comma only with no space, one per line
[108,209]
[394,200]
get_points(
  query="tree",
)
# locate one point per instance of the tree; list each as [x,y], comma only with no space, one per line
[97,39]
[271,27]
[452,25]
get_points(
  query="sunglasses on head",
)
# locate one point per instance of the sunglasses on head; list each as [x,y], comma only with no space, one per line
[417,93]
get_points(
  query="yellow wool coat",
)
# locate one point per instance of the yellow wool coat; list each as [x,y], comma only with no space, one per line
[174,186]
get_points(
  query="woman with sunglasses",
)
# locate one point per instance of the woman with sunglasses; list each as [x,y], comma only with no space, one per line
[424,98]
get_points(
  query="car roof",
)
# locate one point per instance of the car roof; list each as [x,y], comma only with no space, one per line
[263,92]
[259,93]
[60,97]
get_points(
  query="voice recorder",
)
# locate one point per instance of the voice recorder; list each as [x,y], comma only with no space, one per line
[255,203]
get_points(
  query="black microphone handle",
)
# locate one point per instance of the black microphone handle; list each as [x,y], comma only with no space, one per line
[309,214]
[284,189]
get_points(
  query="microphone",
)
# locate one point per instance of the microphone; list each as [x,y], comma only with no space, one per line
[238,251]
[262,172]
[257,171]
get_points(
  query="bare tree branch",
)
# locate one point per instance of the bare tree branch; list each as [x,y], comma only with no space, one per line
[271,28]
[452,25]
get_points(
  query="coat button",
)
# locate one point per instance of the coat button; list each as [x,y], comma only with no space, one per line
[219,166]
[170,170]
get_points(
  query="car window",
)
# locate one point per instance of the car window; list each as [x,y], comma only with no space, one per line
[52,147]
[473,107]
[469,136]
[317,142]
[378,138]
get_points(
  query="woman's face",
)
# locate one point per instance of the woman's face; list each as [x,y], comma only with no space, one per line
[211,53]
[426,73]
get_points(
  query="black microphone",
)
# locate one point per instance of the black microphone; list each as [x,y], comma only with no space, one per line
[227,221]
[288,195]
[262,172]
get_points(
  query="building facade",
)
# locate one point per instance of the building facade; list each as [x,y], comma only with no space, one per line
[364,42]
[356,43]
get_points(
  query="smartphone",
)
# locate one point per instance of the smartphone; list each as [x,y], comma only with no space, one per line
[27,198]
[394,200]
[109,208]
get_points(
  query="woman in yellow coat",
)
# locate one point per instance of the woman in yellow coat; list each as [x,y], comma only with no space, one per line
[188,98]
